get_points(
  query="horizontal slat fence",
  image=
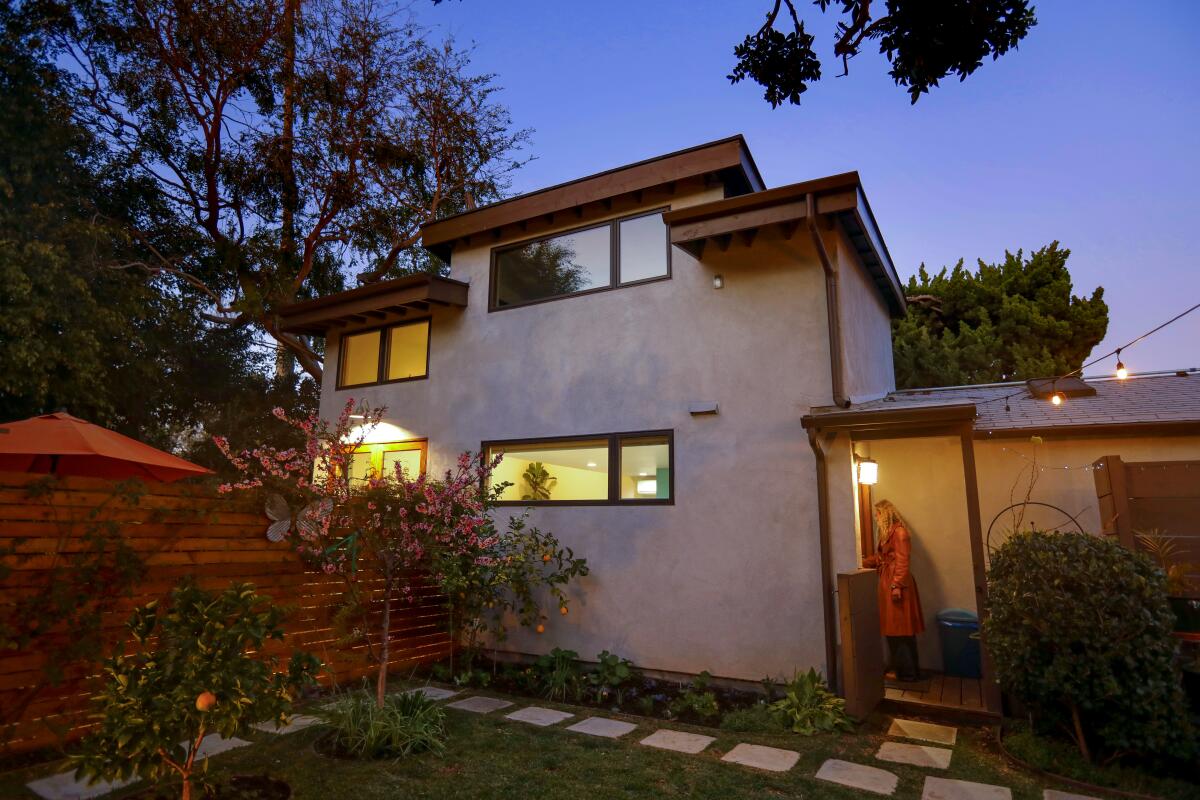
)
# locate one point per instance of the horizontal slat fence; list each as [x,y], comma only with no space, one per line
[179,531]
[1144,496]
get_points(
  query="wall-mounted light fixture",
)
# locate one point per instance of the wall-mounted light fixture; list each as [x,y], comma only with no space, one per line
[718,281]
[868,471]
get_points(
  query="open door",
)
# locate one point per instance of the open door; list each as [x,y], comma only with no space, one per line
[862,645]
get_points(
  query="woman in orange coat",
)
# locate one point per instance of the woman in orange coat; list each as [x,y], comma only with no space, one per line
[900,618]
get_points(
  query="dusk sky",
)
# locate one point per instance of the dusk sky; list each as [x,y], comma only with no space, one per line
[1087,134]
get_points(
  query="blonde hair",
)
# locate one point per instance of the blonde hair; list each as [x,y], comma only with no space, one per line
[887,516]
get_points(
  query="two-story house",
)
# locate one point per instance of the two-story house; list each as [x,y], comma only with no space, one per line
[641,346]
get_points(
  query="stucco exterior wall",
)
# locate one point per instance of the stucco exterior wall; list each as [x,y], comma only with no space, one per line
[728,577]
[866,327]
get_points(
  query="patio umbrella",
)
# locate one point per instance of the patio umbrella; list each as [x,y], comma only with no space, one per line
[65,445]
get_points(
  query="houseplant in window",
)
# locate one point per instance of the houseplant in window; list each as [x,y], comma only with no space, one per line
[538,482]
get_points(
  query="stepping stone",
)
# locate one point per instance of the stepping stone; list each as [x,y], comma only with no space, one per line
[759,757]
[480,705]
[918,755]
[296,723]
[600,726]
[213,744]
[947,789]
[434,692]
[1055,794]
[542,717]
[858,776]
[678,741]
[64,786]
[925,731]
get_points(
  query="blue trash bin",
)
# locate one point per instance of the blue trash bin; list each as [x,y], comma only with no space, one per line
[958,629]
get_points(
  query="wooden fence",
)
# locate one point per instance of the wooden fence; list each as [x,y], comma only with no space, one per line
[178,531]
[1146,496]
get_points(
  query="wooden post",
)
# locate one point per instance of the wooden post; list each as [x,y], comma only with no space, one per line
[991,690]
[862,644]
[1112,492]
[866,520]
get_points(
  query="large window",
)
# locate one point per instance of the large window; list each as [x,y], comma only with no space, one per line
[382,355]
[383,459]
[616,468]
[615,253]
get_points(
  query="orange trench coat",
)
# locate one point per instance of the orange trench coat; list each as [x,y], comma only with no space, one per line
[896,617]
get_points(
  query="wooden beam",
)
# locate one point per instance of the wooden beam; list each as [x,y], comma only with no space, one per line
[747,236]
[739,221]
[991,689]
[376,314]
[578,212]
[419,305]
[399,311]
[607,203]
[637,196]
[788,229]
[723,241]
[670,187]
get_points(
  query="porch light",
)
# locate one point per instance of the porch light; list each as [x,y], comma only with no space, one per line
[718,281]
[868,471]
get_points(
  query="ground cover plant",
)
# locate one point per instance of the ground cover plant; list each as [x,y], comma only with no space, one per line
[1080,632]
[406,723]
[190,673]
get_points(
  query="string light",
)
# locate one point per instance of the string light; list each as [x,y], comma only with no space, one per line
[1057,398]
[1122,373]
[1052,467]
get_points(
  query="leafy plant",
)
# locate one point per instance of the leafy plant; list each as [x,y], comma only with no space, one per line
[808,707]
[539,482]
[697,699]
[758,718]
[610,677]
[559,676]
[1165,551]
[1080,633]
[190,674]
[405,724]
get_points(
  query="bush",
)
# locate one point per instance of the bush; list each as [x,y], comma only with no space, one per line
[558,675]
[758,718]
[808,707]
[610,678]
[405,724]
[189,675]
[696,699]
[1080,632]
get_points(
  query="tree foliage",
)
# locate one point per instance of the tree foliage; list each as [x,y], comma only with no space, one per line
[1013,320]
[1080,631]
[292,143]
[924,42]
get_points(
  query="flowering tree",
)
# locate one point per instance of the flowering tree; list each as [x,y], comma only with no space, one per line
[403,525]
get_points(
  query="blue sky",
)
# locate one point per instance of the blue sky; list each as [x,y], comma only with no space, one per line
[1087,134]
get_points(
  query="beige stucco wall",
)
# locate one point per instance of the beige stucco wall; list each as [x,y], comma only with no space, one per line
[726,579]
[866,327]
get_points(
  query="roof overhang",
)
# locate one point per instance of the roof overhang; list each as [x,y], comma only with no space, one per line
[839,197]
[382,301]
[728,160]
[893,422]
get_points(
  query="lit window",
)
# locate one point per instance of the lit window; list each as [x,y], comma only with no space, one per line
[383,458]
[580,261]
[408,351]
[577,470]
[360,358]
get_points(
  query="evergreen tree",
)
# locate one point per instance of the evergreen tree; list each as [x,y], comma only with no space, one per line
[1014,320]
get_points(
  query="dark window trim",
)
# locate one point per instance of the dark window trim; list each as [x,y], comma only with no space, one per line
[614,257]
[614,460]
[384,332]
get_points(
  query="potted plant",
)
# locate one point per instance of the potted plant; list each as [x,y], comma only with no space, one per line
[1182,593]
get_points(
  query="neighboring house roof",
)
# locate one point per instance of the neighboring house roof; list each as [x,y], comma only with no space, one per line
[1168,402]
[840,196]
[383,301]
[729,159]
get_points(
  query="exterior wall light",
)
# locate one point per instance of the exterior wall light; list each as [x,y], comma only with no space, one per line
[718,281]
[868,471]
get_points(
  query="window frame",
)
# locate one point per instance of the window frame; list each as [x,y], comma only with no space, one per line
[385,344]
[377,449]
[614,260]
[614,440]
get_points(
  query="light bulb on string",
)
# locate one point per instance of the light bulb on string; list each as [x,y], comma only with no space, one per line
[1056,398]
[1122,373]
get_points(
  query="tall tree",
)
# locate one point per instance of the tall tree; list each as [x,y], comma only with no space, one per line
[1014,320]
[924,41]
[298,142]
[108,345]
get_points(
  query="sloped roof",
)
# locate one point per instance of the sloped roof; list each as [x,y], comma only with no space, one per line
[1152,399]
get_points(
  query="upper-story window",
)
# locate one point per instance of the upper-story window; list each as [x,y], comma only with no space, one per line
[614,253]
[384,355]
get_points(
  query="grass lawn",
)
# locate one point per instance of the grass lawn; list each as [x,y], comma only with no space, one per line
[491,757]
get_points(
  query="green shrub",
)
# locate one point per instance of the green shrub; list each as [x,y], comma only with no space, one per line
[407,723]
[1080,632]
[609,679]
[758,718]
[189,675]
[808,707]
[697,699]
[559,675]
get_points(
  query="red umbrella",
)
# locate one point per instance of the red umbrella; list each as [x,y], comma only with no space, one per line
[66,445]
